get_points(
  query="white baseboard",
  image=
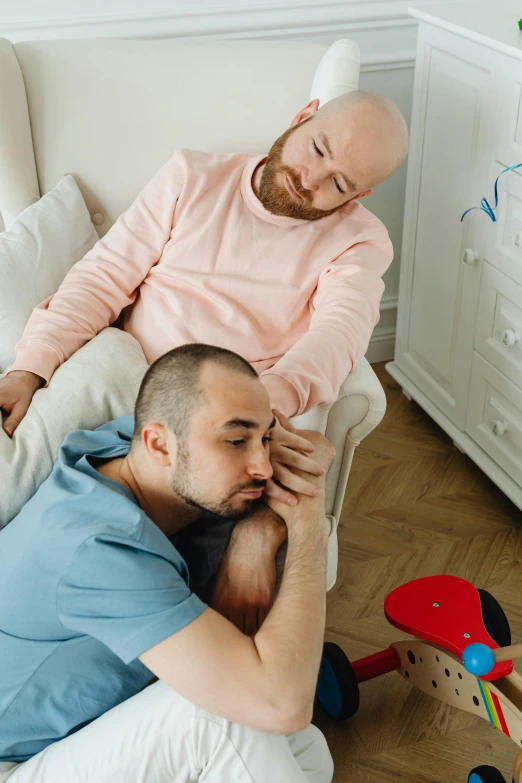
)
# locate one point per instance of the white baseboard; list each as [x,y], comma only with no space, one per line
[382,346]
[382,343]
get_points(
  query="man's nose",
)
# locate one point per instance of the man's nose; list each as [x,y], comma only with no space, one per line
[311,178]
[259,466]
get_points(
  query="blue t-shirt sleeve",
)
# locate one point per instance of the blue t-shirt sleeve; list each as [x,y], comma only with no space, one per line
[125,596]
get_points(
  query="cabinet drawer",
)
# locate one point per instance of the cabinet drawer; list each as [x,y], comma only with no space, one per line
[503,238]
[498,334]
[494,417]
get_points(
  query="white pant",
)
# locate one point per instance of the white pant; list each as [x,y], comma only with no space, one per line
[158,736]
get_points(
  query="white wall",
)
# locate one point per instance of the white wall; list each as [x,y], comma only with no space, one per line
[385,32]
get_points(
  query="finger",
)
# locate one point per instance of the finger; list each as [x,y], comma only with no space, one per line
[276,493]
[296,483]
[284,421]
[17,413]
[297,442]
[277,506]
[5,406]
[294,459]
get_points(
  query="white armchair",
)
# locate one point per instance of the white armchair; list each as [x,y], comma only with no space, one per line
[111,113]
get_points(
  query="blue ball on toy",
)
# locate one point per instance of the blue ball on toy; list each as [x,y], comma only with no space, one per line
[478,659]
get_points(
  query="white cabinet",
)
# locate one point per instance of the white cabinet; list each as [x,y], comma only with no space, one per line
[495,416]
[459,333]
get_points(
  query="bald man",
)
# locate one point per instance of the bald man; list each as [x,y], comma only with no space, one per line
[272,257]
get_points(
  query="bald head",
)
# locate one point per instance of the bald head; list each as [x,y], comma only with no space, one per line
[373,129]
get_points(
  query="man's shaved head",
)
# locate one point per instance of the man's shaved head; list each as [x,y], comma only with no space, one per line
[171,390]
[375,121]
[332,154]
[203,421]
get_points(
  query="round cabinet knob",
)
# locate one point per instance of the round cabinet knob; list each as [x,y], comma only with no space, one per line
[98,219]
[509,337]
[470,256]
[498,428]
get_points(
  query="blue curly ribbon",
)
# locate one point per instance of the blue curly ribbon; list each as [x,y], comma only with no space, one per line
[485,206]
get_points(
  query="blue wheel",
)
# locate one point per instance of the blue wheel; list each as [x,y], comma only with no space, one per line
[495,620]
[337,687]
[485,774]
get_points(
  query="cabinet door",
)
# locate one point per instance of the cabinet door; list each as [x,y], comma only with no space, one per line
[451,158]
[508,150]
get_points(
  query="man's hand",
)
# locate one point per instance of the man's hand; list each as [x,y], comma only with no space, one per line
[288,453]
[308,509]
[16,392]
[244,590]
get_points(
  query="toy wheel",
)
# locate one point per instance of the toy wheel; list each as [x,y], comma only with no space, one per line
[485,774]
[337,687]
[495,620]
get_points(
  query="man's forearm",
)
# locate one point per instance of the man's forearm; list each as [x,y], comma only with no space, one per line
[290,640]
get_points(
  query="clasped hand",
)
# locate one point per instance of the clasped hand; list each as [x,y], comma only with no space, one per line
[290,452]
[244,590]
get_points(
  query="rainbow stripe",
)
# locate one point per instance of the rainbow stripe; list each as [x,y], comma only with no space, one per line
[493,707]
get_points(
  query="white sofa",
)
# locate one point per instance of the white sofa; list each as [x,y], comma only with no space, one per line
[111,112]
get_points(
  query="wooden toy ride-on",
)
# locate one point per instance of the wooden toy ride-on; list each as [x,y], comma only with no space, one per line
[461,656]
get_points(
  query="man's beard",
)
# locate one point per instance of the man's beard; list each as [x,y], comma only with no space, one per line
[272,191]
[184,487]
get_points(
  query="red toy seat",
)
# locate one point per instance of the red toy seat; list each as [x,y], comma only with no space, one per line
[441,609]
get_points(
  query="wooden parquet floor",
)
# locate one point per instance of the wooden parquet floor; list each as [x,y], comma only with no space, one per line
[415,506]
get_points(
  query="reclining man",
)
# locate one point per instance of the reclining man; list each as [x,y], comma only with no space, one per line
[96,598]
[271,257]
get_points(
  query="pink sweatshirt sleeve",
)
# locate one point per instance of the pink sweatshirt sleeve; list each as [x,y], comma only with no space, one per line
[345,312]
[106,280]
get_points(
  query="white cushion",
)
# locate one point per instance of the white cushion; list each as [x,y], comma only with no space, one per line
[98,383]
[36,253]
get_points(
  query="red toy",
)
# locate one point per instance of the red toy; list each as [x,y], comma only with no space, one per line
[446,614]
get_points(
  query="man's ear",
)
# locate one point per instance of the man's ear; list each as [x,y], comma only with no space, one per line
[305,113]
[362,195]
[156,441]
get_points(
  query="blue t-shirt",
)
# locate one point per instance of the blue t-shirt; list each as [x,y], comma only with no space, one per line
[87,583]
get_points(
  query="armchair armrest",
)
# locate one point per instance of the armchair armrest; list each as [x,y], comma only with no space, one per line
[359,409]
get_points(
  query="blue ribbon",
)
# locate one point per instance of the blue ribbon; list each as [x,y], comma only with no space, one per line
[485,206]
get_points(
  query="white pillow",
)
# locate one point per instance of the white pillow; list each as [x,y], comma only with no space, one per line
[98,383]
[36,253]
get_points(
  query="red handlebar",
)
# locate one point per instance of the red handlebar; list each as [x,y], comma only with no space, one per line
[377,664]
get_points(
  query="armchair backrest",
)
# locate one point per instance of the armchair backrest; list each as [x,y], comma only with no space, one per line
[111,112]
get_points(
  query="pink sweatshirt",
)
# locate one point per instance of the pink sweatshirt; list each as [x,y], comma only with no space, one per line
[197,258]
